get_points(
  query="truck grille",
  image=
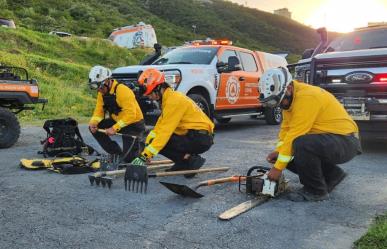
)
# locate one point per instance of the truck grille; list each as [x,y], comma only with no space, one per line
[128,79]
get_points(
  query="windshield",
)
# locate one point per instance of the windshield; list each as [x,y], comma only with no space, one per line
[191,55]
[366,39]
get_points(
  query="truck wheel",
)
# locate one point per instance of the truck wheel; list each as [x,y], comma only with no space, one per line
[9,128]
[223,120]
[202,103]
[273,116]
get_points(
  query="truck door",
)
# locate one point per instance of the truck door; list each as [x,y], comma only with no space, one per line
[251,77]
[231,89]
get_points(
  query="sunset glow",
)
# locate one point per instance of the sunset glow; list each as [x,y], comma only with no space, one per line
[336,15]
[345,15]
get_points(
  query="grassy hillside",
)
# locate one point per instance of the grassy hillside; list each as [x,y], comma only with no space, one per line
[173,20]
[61,67]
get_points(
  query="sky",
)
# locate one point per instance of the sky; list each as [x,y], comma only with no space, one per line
[335,15]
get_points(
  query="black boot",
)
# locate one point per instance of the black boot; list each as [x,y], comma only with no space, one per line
[335,176]
[194,162]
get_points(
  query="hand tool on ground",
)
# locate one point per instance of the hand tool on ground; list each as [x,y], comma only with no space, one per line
[118,134]
[112,162]
[105,177]
[260,187]
[137,176]
[187,191]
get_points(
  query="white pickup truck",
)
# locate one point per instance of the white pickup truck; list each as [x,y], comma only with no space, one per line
[222,79]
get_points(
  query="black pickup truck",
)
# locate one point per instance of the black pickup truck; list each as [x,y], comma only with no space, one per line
[353,67]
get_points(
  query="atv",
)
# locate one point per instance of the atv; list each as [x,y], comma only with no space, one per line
[17,93]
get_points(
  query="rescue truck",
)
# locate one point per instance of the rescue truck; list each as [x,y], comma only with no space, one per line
[352,67]
[222,79]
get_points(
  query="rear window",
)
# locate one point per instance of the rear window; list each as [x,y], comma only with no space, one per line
[191,55]
[365,39]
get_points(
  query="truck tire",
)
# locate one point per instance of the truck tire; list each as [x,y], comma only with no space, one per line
[223,120]
[273,116]
[9,128]
[202,103]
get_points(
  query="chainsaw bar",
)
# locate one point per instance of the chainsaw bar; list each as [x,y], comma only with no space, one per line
[243,207]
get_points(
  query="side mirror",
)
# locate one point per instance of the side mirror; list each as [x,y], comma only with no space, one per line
[221,67]
[233,64]
[307,53]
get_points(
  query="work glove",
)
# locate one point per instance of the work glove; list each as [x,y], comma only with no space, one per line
[139,161]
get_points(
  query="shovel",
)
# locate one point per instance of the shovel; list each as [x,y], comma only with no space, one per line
[105,177]
[187,191]
[137,176]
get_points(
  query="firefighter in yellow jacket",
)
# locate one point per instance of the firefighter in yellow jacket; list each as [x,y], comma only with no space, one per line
[316,134]
[182,132]
[124,116]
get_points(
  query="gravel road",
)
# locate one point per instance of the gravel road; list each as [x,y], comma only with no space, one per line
[41,209]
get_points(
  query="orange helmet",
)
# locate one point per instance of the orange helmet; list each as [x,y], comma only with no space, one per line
[150,79]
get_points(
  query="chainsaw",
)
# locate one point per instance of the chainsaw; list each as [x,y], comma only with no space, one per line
[256,183]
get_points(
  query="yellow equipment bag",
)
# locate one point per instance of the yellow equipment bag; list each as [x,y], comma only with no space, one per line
[63,165]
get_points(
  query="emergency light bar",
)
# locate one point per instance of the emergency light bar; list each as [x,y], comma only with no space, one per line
[210,42]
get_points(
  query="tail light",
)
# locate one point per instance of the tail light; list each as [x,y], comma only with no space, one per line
[380,79]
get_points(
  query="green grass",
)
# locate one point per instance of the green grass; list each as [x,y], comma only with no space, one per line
[376,237]
[61,66]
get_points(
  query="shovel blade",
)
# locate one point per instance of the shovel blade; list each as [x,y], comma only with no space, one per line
[136,177]
[182,190]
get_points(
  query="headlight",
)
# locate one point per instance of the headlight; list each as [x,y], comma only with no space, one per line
[173,77]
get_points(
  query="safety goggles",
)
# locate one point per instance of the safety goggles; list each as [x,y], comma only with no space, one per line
[99,85]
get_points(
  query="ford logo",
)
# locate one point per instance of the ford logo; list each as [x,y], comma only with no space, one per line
[359,77]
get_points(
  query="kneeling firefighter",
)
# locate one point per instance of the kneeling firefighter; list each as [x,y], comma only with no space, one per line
[125,115]
[182,132]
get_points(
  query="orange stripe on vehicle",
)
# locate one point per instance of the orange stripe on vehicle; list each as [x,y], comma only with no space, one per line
[32,91]
[123,31]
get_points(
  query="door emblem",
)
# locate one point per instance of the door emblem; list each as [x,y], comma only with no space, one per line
[232,89]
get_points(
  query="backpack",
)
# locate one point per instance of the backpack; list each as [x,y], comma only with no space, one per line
[64,139]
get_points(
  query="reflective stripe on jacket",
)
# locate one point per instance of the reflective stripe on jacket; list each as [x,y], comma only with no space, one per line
[178,115]
[313,111]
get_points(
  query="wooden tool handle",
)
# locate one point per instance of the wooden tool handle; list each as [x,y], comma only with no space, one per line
[158,162]
[221,180]
[122,171]
[119,134]
[183,172]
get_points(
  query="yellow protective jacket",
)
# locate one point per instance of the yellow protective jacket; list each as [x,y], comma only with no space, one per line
[178,115]
[313,111]
[130,110]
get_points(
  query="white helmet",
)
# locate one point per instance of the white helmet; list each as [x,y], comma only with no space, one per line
[97,75]
[273,84]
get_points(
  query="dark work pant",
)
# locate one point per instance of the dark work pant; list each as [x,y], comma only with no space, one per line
[112,147]
[192,143]
[316,156]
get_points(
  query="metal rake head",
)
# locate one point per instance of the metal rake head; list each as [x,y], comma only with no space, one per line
[103,180]
[136,178]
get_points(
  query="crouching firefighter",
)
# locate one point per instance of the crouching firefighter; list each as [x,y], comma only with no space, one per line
[182,132]
[124,116]
[316,134]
